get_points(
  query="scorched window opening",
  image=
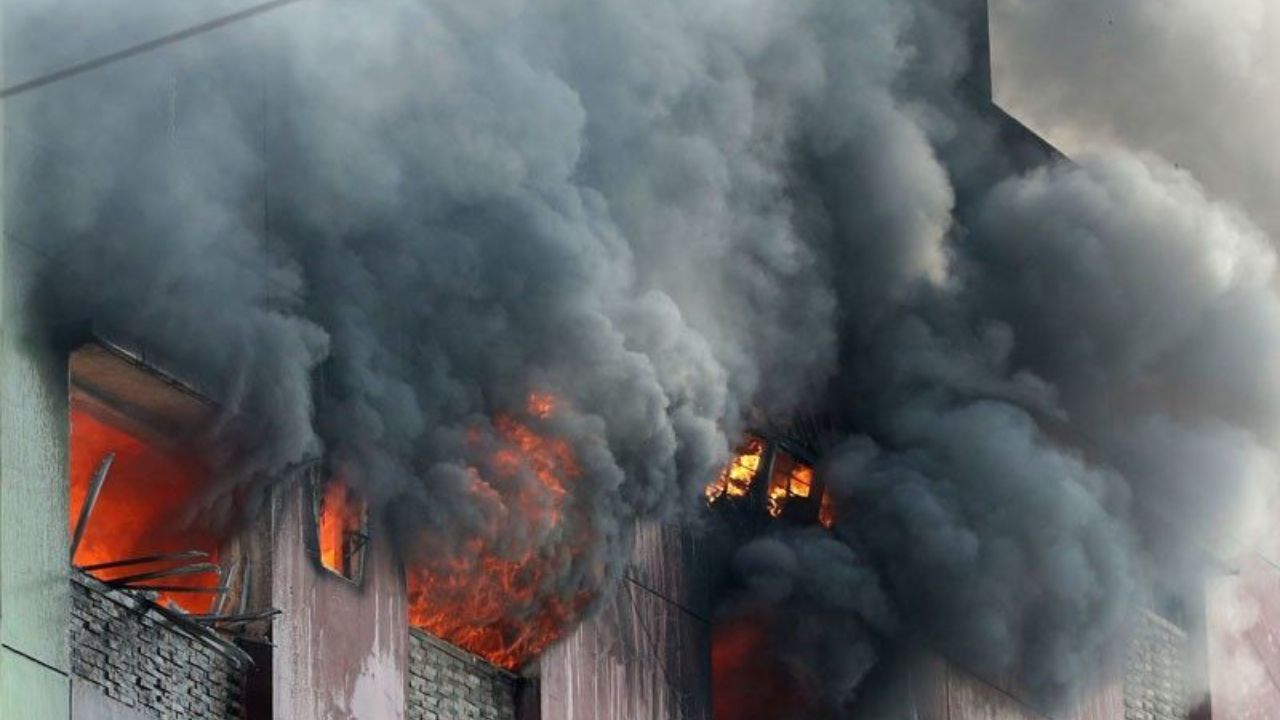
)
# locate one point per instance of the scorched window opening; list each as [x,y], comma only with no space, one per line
[769,475]
[341,526]
[136,483]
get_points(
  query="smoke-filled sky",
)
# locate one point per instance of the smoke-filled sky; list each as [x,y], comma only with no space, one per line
[1196,83]
[375,228]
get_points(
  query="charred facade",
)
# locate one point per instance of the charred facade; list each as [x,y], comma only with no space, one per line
[137,581]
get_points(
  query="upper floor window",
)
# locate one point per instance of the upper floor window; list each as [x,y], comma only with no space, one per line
[139,489]
[735,480]
[771,476]
[341,521]
[790,479]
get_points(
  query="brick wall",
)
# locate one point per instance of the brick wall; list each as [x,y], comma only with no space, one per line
[142,660]
[1155,683]
[449,684]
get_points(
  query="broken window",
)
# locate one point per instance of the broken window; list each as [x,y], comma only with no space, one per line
[790,479]
[341,520]
[137,483]
[735,480]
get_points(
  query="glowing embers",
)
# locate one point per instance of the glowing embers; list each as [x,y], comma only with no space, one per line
[827,511]
[501,595]
[749,681]
[142,530]
[341,528]
[790,479]
[735,480]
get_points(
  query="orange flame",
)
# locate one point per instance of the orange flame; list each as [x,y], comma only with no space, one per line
[827,511]
[141,506]
[493,602]
[340,523]
[788,478]
[748,682]
[541,405]
[791,478]
[735,480]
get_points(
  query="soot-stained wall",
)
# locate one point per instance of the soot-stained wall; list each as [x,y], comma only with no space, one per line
[142,662]
[647,654]
[1243,619]
[939,690]
[340,647]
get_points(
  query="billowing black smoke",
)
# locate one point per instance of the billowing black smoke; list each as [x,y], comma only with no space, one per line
[375,227]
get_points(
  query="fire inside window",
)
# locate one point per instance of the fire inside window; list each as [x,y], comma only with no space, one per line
[735,480]
[790,481]
[341,529]
[133,483]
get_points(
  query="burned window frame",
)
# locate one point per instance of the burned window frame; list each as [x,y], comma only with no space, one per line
[123,391]
[356,553]
[786,466]
[752,445]
[758,494]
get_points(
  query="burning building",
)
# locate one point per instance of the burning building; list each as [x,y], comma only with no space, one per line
[1157,678]
[291,427]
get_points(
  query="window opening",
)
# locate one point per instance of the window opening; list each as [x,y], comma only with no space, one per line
[136,487]
[341,528]
[735,480]
[791,479]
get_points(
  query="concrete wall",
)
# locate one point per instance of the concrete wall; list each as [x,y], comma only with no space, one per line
[447,683]
[968,698]
[341,650]
[941,691]
[87,701]
[1243,617]
[144,664]
[647,654]
[1105,703]
[34,596]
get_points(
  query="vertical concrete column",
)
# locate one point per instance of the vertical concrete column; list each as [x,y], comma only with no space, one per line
[34,587]
[647,654]
[35,593]
[978,78]
[341,648]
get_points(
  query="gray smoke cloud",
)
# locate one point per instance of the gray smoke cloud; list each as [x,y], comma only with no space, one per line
[375,229]
[1193,82]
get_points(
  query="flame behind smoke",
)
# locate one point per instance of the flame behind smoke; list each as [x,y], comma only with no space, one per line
[827,511]
[748,682]
[686,213]
[491,601]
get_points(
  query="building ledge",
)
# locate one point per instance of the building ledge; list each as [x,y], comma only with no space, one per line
[460,654]
[172,620]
